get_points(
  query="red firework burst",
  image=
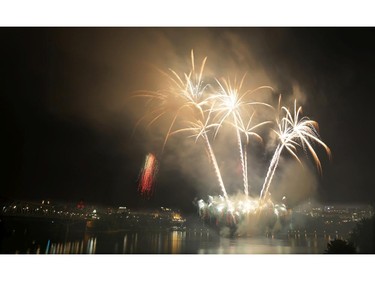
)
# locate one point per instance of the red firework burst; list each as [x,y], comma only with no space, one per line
[147,176]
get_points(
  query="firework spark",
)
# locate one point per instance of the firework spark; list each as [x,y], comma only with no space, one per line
[147,176]
[199,130]
[230,102]
[185,99]
[294,131]
[200,109]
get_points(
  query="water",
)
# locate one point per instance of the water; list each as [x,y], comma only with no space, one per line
[63,239]
[182,242]
[75,250]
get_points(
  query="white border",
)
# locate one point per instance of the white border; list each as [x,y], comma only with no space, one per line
[184,267]
[186,13]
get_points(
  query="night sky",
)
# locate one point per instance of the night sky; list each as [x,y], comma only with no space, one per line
[67,120]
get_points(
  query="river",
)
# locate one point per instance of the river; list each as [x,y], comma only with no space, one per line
[44,239]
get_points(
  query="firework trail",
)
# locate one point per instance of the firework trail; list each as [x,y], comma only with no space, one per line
[293,132]
[192,90]
[199,130]
[185,99]
[228,102]
[216,167]
[248,130]
[271,171]
[147,176]
[192,106]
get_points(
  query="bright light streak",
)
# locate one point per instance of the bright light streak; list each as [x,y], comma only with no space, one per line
[229,102]
[147,176]
[294,132]
[201,110]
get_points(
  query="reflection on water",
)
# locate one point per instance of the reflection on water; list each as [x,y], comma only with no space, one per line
[21,238]
[85,246]
[179,242]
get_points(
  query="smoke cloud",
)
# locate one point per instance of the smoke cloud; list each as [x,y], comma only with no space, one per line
[105,67]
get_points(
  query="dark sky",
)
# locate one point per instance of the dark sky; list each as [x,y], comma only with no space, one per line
[67,122]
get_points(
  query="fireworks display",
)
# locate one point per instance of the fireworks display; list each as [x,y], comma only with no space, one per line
[201,110]
[292,132]
[147,176]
